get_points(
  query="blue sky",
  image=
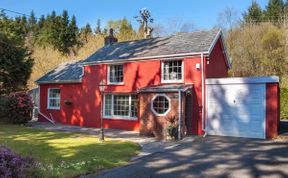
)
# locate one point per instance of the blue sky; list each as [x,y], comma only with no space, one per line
[203,13]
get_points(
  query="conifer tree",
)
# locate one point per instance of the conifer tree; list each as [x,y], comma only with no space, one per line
[254,13]
[274,10]
[15,65]
[98,27]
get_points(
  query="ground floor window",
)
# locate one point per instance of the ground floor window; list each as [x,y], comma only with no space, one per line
[53,98]
[120,106]
[160,105]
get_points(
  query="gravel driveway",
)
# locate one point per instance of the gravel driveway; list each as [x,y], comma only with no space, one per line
[210,157]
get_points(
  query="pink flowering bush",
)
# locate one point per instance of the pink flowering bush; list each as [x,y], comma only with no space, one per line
[19,106]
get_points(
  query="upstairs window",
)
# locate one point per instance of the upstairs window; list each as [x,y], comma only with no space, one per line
[172,71]
[115,74]
[53,98]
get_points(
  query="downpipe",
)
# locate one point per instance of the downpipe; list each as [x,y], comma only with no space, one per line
[203,99]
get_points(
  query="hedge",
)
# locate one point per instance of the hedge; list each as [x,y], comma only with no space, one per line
[284,103]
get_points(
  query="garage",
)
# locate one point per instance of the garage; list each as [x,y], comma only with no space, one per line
[242,107]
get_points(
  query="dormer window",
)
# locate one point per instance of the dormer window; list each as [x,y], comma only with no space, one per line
[115,74]
[172,71]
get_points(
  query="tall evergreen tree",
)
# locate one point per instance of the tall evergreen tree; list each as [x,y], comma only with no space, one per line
[73,32]
[15,65]
[126,31]
[98,27]
[254,13]
[274,10]
[85,32]
[32,22]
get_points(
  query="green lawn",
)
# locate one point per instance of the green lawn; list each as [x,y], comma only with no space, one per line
[64,154]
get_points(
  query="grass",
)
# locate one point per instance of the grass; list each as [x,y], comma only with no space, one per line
[284,103]
[65,154]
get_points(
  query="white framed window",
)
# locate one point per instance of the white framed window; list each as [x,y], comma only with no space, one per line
[172,71]
[161,104]
[53,98]
[115,74]
[120,106]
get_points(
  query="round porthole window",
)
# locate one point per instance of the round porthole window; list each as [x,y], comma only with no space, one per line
[160,105]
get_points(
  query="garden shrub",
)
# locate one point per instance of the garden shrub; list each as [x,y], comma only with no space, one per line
[19,106]
[12,165]
[284,103]
[3,108]
[172,128]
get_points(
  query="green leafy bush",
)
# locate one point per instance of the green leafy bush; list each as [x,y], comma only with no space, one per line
[172,127]
[284,103]
[19,106]
[172,131]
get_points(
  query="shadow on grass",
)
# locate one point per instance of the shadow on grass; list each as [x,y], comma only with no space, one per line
[67,153]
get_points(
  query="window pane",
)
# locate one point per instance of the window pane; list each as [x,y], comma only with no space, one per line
[107,106]
[172,70]
[54,93]
[121,105]
[134,106]
[54,97]
[160,104]
[116,73]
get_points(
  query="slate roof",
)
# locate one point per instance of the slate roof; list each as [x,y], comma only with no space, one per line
[166,88]
[65,72]
[180,43]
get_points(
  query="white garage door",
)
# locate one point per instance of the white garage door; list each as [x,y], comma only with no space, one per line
[236,110]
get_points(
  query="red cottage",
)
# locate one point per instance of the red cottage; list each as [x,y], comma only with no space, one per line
[147,83]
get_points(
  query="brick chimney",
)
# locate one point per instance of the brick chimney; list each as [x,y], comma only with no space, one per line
[109,40]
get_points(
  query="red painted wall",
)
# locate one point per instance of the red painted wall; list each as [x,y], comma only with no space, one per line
[272,110]
[85,96]
[217,66]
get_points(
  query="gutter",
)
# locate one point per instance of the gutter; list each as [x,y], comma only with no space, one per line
[143,58]
[203,90]
[180,110]
[59,81]
[179,113]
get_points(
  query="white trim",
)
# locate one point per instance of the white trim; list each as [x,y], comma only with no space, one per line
[151,105]
[202,94]
[218,36]
[179,113]
[59,81]
[108,75]
[172,81]
[112,116]
[235,80]
[264,111]
[214,42]
[48,99]
[47,118]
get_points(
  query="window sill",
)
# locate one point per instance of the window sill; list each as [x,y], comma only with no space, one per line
[122,83]
[120,118]
[172,81]
[53,108]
